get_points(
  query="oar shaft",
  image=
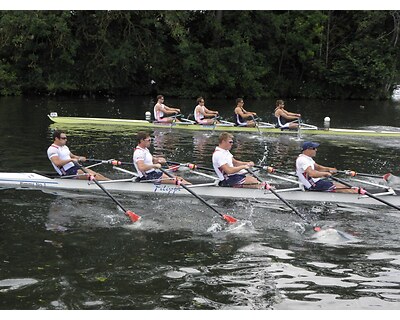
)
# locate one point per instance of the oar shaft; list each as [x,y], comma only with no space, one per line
[192,166]
[104,189]
[366,193]
[273,170]
[279,196]
[223,216]
[352,173]
[112,161]
[193,193]
[133,216]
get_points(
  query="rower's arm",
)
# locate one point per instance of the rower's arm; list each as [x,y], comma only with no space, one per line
[230,170]
[316,173]
[145,167]
[159,160]
[245,114]
[242,163]
[172,110]
[325,169]
[291,115]
[77,158]
[59,163]
[209,112]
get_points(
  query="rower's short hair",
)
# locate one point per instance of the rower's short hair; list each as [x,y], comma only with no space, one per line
[225,136]
[278,102]
[57,134]
[239,100]
[141,135]
[160,96]
[199,99]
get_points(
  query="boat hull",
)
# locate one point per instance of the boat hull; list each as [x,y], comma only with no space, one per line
[195,127]
[33,181]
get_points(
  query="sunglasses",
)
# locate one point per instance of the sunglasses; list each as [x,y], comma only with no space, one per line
[63,138]
[312,148]
[148,139]
[230,141]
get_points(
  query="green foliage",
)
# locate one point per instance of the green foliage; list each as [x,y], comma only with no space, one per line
[336,54]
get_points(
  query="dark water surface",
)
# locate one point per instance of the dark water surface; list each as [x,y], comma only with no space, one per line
[77,252]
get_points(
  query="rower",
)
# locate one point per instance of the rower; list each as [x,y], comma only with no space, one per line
[163,114]
[64,161]
[285,119]
[314,176]
[202,114]
[244,118]
[146,165]
[230,171]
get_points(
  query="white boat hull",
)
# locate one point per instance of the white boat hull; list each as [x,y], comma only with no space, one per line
[33,181]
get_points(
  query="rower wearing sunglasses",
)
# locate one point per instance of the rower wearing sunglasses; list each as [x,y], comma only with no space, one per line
[147,166]
[243,117]
[230,171]
[314,176]
[64,161]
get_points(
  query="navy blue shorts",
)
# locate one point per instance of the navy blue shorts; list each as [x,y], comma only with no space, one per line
[73,171]
[154,175]
[235,180]
[323,185]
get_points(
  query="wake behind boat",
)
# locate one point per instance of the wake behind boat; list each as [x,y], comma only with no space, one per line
[34,181]
[262,127]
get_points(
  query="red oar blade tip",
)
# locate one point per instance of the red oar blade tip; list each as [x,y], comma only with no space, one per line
[386,177]
[229,219]
[133,216]
[317,229]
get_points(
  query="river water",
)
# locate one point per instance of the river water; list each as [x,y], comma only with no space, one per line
[78,252]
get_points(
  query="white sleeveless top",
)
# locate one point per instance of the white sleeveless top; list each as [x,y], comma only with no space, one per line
[145,155]
[63,153]
[158,114]
[302,163]
[198,116]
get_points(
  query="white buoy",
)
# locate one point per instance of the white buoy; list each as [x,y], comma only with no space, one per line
[147,115]
[327,123]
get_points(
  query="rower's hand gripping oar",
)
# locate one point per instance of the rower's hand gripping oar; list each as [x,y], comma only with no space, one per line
[268,187]
[364,192]
[133,216]
[226,217]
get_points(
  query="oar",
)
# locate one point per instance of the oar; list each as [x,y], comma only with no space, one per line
[273,170]
[226,217]
[133,216]
[191,166]
[352,173]
[119,163]
[111,161]
[256,124]
[268,187]
[299,129]
[362,191]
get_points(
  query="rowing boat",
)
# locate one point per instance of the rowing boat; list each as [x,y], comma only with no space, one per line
[58,186]
[230,127]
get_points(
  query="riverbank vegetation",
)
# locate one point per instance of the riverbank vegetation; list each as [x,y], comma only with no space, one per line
[254,54]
